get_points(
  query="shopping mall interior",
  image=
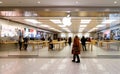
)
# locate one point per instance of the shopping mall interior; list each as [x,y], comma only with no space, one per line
[35,36]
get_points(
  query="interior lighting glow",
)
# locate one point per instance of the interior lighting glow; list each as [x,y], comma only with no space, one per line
[83,25]
[85,21]
[56,21]
[32,20]
[108,21]
[61,25]
[38,2]
[44,26]
[100,25]
[1,2]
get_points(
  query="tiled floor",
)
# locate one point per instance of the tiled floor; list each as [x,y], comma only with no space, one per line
[42,61]
[59,66]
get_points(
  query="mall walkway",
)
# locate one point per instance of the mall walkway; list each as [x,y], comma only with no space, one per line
[42,61]
[58,66]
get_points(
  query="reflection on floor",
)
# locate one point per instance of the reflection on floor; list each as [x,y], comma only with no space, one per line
[59,66]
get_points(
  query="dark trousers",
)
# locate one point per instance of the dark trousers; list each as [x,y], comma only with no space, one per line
[25,46]
[84,47]
[76,56]
[51,46]
[69,43]
[20,45]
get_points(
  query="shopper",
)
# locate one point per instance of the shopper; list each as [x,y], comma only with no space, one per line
[25,43]
[20,40]
[69,41]
[76,49]
[83,42]
[50,43]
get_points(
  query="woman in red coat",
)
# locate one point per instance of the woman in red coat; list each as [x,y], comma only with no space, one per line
[76,49]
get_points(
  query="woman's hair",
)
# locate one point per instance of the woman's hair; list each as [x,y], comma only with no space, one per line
[76,40]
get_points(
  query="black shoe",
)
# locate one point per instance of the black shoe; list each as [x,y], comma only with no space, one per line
[73,60]
[77,61]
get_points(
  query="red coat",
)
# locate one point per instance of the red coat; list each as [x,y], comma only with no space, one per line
[76,46]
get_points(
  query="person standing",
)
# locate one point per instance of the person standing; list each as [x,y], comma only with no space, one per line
[69,41]
[50,43]
[76,49]
[25,43]
[20,40]
[83,42]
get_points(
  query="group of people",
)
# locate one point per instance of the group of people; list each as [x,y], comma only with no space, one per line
[23,42]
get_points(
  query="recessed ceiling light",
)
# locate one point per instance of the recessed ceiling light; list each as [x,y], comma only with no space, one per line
[83,25]
[45,26]
[56,21]
[61,25]
[85,21]
[47,9]
[100,25]
[115,2]
[38,2]
[1,2]
[108,21]
[76,9]
[76,2]
[32,20]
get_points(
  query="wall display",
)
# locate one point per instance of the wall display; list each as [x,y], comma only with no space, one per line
[9,31]
[29,32]
[115,34]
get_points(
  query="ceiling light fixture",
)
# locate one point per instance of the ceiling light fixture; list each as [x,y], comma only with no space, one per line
[38,2]
[83,25]
[1,2]
[76,2]
[108,21]
[100,25]
[56,21]
[115,2]
[61,25]
[44,25]
[67,20]
[32,20]
[85,21]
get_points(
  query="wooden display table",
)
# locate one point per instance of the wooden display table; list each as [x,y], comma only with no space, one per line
[89,46]
[108,42]
[33,43]
[60,44]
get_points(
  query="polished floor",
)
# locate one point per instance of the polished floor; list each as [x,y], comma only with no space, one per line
[42,61]
[59,66]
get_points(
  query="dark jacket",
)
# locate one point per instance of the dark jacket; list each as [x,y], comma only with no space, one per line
[83,41]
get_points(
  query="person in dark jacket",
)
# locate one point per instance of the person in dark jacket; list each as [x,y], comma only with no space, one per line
[25,43]
[83,42]
[50,43]
[20,40]
[76,49]
[69,41]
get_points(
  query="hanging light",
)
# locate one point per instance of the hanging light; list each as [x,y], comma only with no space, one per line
[67,20]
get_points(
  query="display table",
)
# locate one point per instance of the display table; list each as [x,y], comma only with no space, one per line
[57,44]
[109,42]
[33,43]
[89,46]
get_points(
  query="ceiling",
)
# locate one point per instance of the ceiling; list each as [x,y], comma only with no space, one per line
[60,3]
[44,10]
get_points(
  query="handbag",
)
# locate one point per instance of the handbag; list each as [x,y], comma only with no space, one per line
[75,49]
